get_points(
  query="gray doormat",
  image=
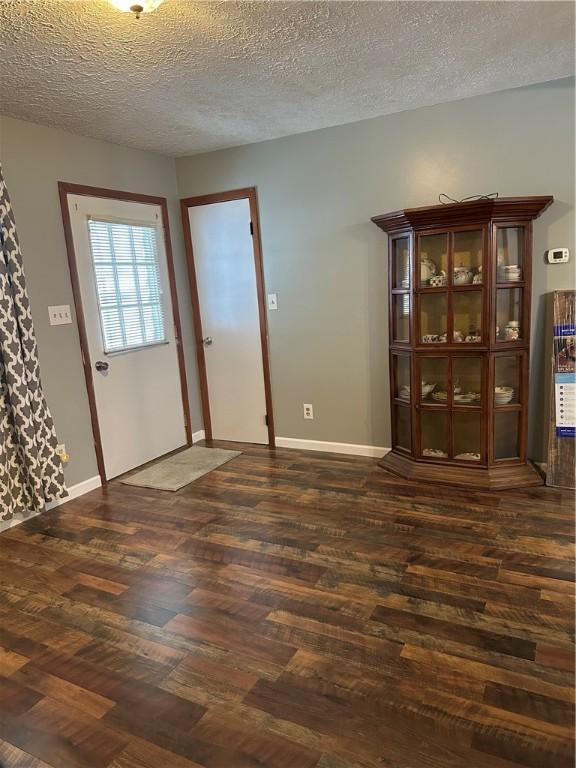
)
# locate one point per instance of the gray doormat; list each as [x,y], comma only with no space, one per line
[182,468]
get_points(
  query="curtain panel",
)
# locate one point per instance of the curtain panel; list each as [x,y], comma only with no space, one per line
[30,470]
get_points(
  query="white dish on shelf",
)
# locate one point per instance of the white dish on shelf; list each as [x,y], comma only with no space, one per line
[509,275]
[463,275]
[503,395]
[466,398]
[436,453]
[427,388]
[468,456]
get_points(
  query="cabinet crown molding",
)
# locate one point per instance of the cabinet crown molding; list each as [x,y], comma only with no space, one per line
[471,212]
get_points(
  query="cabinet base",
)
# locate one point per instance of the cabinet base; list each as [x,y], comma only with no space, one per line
[482,478]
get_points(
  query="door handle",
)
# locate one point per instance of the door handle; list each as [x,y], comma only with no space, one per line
[101,366]
[207,340]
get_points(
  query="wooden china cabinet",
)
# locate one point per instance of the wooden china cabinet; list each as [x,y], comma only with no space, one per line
[459,285]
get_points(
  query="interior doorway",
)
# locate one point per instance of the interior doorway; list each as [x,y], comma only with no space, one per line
[222,238]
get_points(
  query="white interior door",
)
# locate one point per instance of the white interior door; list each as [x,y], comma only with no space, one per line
[228,299]
[127,309]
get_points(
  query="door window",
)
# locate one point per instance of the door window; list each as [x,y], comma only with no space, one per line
[127,278]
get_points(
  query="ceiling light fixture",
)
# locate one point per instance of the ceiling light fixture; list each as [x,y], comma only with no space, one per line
[143,6]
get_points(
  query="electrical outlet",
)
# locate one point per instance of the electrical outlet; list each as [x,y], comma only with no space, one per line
[308,411]
[60,315]
[61,451]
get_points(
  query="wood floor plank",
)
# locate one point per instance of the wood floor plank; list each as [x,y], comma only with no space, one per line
[290,610]
[12,757]
[56,688]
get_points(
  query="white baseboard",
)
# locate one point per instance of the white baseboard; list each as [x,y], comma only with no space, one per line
[351,449]
[73,493]
[77,490]
[318,445]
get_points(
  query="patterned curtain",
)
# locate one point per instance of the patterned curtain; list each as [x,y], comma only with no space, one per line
[30,470]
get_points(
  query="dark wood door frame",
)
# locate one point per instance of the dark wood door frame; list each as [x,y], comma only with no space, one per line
[248,193]
[65,189]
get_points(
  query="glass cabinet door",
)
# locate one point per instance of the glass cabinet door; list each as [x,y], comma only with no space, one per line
[507,371]
[433,260]
[401,317]
[506,434]
[467,381]
[434,380]
[401,364]
[467,314]
[467,259]
[402,427]
[509,254]
[433,318]
[509,314]
[467,436]
[434,434]
[401,263]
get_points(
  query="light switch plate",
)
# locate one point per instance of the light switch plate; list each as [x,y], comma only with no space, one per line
[272,301]
[60,315]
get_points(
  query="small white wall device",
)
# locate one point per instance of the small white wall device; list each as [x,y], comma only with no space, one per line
[557,255]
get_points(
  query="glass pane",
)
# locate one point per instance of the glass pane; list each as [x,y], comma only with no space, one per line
[127,281]
[467,307]
[467,436]
[434,371]
[433,259]
[508,314]
[468,257]
[401,263]
[434,434]
[507,380]
[401,317]
[402,365]
[403,438]
[506,435]
[509,254]
[433,317]
[467,378]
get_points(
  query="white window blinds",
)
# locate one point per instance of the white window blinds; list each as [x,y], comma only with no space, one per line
[125,260]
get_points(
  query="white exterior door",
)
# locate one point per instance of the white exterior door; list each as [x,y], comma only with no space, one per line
[127,308]
[228,303]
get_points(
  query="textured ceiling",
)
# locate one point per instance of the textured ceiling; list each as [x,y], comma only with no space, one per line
[197,76]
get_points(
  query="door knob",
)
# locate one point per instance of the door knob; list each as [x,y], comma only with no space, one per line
[207,340]
[101,366]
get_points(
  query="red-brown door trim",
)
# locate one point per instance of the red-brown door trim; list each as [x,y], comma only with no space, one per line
[248,193]
[65,189]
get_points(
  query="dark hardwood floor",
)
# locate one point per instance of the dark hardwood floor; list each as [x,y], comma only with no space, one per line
[290,610]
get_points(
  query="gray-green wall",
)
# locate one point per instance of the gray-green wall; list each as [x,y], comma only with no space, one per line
[327,262]
[34,159]
[322,255]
